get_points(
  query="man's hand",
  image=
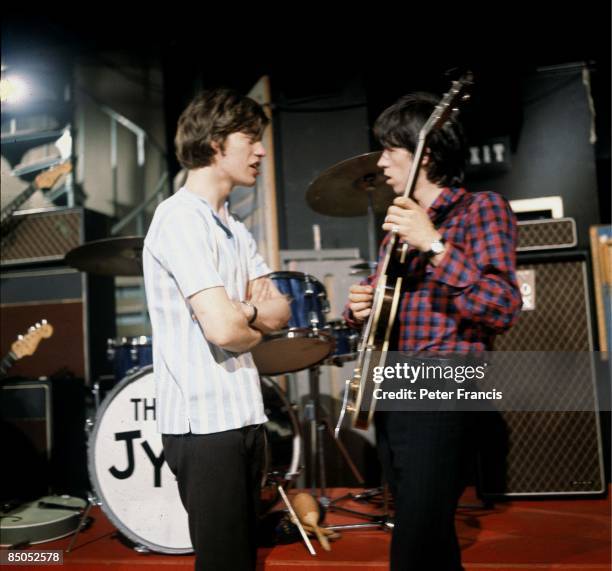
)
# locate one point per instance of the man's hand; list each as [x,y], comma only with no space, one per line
[261,289]
[412,223]
[360,301]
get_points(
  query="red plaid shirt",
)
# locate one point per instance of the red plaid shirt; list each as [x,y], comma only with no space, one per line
[460,305]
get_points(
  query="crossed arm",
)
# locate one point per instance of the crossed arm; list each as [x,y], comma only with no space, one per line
[225,322]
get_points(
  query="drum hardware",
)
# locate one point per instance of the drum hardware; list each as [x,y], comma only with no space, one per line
[91,501]
[46,519]
[319,423]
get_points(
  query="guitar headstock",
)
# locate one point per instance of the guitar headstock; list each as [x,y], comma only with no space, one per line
[449,104]
[27,344]
[47,179]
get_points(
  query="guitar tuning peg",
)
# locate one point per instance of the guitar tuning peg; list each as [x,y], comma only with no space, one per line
[31,329]
[20,337]
[466,97]
[43,321]
[38,325]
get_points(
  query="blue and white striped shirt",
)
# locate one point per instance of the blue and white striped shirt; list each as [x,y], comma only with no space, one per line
[200,387]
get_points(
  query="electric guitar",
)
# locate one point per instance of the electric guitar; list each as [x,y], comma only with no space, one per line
[359,399]
[26,345]
[44,181]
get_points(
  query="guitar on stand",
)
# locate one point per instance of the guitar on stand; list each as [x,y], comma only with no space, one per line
[359,399]
[25,345]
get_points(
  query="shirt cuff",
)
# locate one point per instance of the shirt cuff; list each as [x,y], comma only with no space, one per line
[347,315]
[455,269]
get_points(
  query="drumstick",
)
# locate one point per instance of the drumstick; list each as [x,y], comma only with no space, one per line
[297,521]
[307,509]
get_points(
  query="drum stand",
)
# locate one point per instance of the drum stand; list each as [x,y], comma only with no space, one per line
[319,423]
[91,501]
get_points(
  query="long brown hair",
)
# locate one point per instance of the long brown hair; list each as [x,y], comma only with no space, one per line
[212,116]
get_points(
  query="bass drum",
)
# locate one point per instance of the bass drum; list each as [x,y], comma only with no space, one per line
[132,481]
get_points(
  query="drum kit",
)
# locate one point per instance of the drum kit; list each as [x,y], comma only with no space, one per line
[131,481]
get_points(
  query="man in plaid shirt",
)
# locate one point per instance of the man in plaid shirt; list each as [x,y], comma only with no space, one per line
[459,291]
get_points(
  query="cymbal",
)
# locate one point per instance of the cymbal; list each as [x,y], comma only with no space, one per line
[109,257]
[343,189]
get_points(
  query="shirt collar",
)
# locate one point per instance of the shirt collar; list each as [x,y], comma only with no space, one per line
[216,218]
[445,202]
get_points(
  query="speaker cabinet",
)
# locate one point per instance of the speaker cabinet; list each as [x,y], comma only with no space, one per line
[47,235]
[541,453]
[43,438]
[25,416]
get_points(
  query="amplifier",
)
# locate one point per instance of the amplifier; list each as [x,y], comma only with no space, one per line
[47,235]
[547,453]
[550,234]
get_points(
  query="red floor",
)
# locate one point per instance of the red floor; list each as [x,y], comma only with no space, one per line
[566,535]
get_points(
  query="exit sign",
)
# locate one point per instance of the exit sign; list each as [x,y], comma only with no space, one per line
[489,157]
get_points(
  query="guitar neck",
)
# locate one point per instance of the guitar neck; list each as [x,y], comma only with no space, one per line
[16,203]
[416,164]
[7,362]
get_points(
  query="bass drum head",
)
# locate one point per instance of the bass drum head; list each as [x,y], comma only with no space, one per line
[137,490]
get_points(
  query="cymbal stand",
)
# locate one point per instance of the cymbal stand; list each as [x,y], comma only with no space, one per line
[370,188]
[318,424]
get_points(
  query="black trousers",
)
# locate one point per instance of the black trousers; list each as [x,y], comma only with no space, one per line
[423,460]
[219,479]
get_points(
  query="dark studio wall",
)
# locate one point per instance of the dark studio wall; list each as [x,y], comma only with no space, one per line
[311,134]
[552,149]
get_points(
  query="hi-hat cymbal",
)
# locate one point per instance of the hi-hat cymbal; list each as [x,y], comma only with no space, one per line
[344,189]
[109,257]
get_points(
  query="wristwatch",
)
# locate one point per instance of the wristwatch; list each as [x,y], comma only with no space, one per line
[436,247]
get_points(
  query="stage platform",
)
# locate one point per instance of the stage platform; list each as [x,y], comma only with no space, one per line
[560,535]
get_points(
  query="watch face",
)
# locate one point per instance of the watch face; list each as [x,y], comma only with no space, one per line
[437,247]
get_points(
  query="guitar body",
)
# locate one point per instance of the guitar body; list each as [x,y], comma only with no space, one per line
[375,342]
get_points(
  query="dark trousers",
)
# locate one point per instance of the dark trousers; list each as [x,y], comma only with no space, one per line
[422,455]
[219,478]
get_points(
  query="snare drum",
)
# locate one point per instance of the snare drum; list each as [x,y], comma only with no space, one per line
[128,354]
[304,343]
[137,490]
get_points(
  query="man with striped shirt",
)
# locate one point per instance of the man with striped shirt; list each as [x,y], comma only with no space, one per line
[210,302]
[459,291]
